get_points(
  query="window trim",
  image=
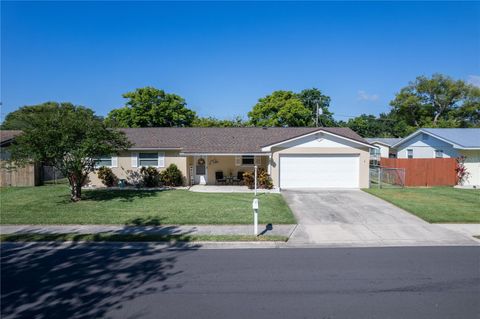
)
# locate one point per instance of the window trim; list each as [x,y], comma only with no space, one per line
[112,161]
[435,153]
[154,156]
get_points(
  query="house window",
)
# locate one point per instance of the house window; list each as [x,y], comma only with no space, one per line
[438,154]
[148,159]
[410,153]
[104,161]
[375,152]
[248,160]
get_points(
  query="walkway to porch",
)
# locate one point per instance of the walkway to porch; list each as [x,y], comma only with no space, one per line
[228,189]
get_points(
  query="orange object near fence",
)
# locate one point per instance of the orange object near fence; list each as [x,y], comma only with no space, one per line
[425,171]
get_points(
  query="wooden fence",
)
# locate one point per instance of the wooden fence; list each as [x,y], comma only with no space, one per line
[19,176]
[425,171]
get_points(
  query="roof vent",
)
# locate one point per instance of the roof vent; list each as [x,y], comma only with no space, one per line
[264,127]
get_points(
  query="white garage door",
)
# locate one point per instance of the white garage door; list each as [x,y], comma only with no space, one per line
[319,171]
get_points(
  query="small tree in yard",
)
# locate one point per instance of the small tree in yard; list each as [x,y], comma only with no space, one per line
[69,138]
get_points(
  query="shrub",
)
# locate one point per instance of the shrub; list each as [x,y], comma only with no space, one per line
[249,179]
[150,176]
[107,177]
[171,176]
[461,170]
[263,179]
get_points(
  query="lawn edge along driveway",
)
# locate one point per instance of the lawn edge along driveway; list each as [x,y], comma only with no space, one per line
[50,205]
[435,204]
[113,237]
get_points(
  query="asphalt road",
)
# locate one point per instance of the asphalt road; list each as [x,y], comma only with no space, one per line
[96,282]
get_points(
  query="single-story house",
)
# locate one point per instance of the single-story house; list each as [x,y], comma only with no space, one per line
[10,175]
[6,139]
[295,157]
[383,147]
[444,143]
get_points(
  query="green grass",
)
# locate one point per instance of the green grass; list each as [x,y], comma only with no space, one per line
[112,237]
[51,205]
[436,204]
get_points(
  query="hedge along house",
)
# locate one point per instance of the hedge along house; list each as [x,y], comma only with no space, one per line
[294,157]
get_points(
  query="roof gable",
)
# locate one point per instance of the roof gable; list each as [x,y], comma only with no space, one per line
[388,141]
[6,136]
[459,138]
[322,132]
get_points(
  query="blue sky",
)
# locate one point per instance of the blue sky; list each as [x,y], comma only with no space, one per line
[222,56]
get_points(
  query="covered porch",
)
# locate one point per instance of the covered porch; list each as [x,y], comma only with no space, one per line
[223,169]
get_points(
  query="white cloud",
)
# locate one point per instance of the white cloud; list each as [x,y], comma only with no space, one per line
[364,96]
[474,80]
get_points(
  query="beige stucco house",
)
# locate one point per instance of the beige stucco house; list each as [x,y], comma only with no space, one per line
[294,157]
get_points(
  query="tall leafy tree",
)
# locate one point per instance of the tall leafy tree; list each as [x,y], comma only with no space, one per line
[151,107]
[366,125]
[313,98]
[437,101]
[68,137]
[16,120]
[214,122]
[281,108]
[381,126]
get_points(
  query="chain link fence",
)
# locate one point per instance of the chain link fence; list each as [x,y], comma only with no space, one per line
[51,175]
[381,177]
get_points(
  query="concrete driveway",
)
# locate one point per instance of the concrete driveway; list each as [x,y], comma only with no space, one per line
[355,218]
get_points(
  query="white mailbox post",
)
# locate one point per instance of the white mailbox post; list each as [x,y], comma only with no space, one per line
[255,180]
[255,216]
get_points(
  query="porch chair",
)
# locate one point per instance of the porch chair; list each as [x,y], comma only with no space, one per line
[239,179]
[219,179]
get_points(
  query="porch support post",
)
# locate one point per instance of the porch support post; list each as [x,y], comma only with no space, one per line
[255,181]
[269,166]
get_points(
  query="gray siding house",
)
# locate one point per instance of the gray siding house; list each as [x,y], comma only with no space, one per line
[445,143]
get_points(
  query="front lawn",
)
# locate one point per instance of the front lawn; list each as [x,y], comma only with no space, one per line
[51,205]
[436,204]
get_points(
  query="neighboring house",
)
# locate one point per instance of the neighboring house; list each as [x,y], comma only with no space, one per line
[294,157]
[10,175]
[383,148]
[6,139]
[445,143]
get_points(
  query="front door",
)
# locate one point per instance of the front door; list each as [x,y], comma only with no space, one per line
[200,167]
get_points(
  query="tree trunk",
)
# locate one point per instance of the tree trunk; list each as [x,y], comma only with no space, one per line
[435,119]
[75,188]
[76,192]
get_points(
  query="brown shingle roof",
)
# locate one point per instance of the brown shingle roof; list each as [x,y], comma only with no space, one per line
[7,135]
[223,140]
